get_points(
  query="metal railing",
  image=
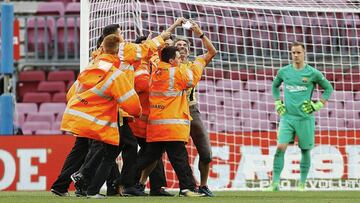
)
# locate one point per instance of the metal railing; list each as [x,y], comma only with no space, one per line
[50,41]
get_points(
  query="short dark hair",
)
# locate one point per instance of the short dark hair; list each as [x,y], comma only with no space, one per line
[99,41]
[110,29]
[296,43]
[168,53]
[140,39]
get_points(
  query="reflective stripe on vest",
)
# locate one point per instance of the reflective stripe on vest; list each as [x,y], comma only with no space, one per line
[100,93]
[91,118]
[169,121]
[138,52]
[191,78]
[141,72]
[111,79]
[126,66]
[156,41]
[171,78]
[167,94]
[121,51]
[127,95]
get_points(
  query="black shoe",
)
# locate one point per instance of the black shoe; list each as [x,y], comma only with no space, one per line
[79,183]
[133,191]
[58,193]
[161,192]
[140,187]
[205,190]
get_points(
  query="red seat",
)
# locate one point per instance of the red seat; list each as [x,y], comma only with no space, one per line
[37,97]
[50,8]
[25,108]
[41,116]
[66,75]
[31,76]
[55,108]
[59,97]
[39,35]
[28,82]
[72,8]
[265,74]
[29,127]
[56,125]
[51,86]
[334,75]
[290,30]
[68,36]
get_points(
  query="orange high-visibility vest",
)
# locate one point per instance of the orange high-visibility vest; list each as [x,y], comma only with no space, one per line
[169,118]
[142,79]
[98,93]
[131,53]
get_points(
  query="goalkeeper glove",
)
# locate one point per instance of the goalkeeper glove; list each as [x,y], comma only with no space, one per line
[280,107]
[310,107]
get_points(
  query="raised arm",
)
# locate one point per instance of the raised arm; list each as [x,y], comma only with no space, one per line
[211,51]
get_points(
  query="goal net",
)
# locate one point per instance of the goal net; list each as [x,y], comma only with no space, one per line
[253,39]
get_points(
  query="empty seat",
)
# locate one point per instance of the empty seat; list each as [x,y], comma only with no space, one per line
[357,96]
[331,124]
[29,127]
[229,85]
[56,125]
[59,117]
[257,125]
[355,124]
[265,74]
[50,8]
[72,8]
[51,86]
[28,82]
[41,116]
[68,36]
[290,29]
[25,108]
[258,85]
[30,76]
[65,75]
[342,96]
[37,97]
[59,97]
[55,108]
[206,86]
[39,36]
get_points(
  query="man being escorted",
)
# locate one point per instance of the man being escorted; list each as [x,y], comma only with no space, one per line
[296,112]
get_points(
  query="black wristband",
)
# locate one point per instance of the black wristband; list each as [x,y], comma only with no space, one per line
[202,35]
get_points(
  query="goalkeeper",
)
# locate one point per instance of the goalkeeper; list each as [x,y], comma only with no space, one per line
[296,113]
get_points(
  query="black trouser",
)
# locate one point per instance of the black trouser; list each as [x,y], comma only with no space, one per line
[178,157]
[103,171]
[93,159]
[73,162]
[128,146]
[157,176]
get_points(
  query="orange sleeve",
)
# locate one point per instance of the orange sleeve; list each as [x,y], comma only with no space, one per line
[142,83]
[191,74]
[130,52]
[71,91]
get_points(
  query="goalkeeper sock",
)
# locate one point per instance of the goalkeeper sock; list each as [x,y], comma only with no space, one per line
[304,165]
[278,165]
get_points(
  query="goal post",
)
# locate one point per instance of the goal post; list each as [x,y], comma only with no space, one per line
[253,39]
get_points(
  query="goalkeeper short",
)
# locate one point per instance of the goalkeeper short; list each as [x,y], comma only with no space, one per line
[303,129]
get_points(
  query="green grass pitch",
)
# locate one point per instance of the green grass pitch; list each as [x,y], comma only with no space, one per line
[221,197]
